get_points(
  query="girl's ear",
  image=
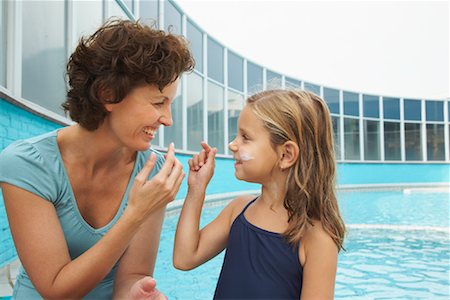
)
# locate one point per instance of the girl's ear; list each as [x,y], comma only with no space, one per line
[289,154]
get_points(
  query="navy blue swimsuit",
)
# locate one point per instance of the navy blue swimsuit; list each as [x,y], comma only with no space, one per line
[258,264]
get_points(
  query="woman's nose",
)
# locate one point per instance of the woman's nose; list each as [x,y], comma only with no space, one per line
[166,117]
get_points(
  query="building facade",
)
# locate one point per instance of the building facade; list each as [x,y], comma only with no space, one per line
[380,139]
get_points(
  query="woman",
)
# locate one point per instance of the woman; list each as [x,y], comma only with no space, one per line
[86,203]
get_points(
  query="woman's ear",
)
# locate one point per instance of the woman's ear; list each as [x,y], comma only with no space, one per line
[289,154]
[105,95]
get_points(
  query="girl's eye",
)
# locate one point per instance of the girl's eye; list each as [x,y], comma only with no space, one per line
[245,137]
[159,104]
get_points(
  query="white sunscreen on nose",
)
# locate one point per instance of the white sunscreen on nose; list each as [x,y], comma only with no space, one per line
[245,156]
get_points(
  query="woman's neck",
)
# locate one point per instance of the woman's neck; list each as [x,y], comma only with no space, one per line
[95,149]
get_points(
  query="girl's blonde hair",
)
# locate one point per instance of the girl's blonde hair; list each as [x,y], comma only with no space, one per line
[304,118]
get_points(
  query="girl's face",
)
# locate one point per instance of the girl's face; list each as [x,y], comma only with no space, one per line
[135,120]
[252,150]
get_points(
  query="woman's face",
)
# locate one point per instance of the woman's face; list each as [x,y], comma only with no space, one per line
[135,120]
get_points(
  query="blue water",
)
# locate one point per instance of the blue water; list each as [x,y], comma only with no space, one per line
[388,263]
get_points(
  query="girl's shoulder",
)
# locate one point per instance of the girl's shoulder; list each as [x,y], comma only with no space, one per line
[317,240]
[237,205]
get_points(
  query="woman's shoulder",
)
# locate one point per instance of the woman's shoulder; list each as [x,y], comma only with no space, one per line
[31,148]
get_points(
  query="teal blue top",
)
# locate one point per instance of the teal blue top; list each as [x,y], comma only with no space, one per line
[36,165]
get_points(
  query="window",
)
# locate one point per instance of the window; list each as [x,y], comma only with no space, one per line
[174,133]
[235,105]
[2,43]
[331,96]
[254,78]
[392,144]
[336,136]
[194,128]
[116,11]
[88,16]
[351,104]
[44,53]
[434,110]
[351,139]
[195,37]
[412,109]
[235,71]
[371,106]
[273,80]
[148,10]
[215,117]
[292,83]
[435,142]
[172,18]
[215,60]
[391,108]
[413,148]
[313,88]
[372,140]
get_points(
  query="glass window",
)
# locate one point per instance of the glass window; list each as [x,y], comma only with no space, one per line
[413,148]
[2,43]
[372,140]
[194,88]
[235,71]
[195,37]
[215,117]
[273,80]
[392,146]
[235,105]
[148,10]
[313,88]
[174,133]
[172,18]
[44,53]
[331,96]
[371,106]
[89,17]
[434,110]
[435,142]
[215,60]
[116,11]
[254,78]
[412,109]
[391,108]
[351,104]
[292,83]
[351,139]
[336,136]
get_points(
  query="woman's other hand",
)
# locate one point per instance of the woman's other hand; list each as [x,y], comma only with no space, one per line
[145,289]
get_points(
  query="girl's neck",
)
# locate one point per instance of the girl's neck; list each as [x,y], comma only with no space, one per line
[274,191]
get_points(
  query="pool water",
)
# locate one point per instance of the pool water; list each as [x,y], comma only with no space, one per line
[406,258]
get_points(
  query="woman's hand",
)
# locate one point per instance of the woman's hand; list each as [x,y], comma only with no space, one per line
[147,196]
[201,167]
[145,289]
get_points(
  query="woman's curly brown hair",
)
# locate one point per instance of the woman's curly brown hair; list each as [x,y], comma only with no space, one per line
[118,57]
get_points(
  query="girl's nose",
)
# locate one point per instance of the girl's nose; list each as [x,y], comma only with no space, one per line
[232,146]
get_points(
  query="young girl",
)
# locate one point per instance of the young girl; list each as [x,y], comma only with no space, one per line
[284,243]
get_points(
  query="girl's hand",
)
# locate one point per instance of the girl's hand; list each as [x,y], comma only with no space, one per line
[145,289]
[147,196]
[201,167]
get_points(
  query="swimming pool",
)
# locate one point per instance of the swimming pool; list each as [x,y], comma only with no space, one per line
[398,247]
